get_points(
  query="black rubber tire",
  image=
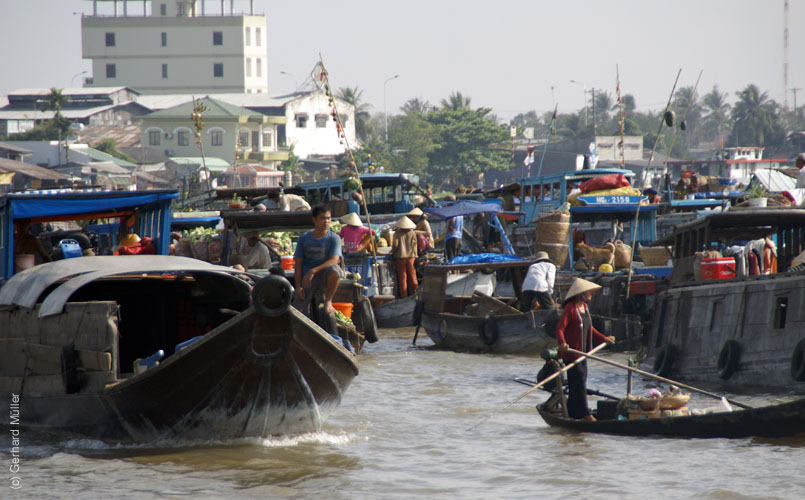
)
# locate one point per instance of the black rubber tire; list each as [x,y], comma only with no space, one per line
[441,332]
[729,359]
[417,316]
[366,322]
[272,295]
[798,362]
[489,330]
[80,238]
[69,370]
[664,360]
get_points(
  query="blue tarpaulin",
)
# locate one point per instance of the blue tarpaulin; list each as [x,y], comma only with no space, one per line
[464,207]
[479,258]
[30,206]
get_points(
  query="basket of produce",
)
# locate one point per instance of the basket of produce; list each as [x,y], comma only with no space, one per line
[654,256]
[669,402]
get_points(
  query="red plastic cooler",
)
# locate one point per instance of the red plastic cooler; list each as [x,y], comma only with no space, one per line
[718,269]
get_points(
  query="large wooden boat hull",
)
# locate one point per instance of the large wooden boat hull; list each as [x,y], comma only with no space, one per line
[503,334]
[737,333]
[785,419]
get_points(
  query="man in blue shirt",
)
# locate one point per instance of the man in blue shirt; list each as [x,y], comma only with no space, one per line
[316,257]
[452,238]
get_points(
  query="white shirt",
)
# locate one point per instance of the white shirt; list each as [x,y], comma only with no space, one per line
[540,277]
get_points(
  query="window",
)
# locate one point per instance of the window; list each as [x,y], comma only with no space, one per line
[248,35]
[243,138]
[182,138]
[164,71]
[111,71]
[780,310]
[321,121]
[258,40]
[218,70]
[154,137]
[110,39]
[217,138]
[248,67]
[217,37]
[259,63]
[164,39]
[163,9]
[301,121]
[267,139]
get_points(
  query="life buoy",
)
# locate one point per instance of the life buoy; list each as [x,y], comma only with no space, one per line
[69,370]
[272,295]
[664,360]
[489,330]
[728,359]
[419,308]
[798,362]
[366,320]
[441,332]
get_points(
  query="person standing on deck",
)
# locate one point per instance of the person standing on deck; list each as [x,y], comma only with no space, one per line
[575,330]
[538,283]
[404,251]
[452,237]
[801,166]
[424,234]
[317,256]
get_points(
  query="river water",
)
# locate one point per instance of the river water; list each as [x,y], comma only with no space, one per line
[421,423]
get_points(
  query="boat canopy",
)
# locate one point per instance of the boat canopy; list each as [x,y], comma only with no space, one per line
[25,288]
[465,207]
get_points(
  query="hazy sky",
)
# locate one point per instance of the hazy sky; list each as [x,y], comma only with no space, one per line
[503,54]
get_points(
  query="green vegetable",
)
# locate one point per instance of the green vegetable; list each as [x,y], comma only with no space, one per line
[343,319]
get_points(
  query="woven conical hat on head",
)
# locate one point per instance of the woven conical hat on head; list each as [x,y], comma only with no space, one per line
[580,286]
[351,219]
[416,212]
[404,223]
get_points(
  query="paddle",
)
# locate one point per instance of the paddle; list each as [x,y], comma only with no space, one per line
[657,377]
[416,332]
[590,392]
[540,384]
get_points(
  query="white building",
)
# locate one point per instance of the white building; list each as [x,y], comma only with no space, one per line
[178,46]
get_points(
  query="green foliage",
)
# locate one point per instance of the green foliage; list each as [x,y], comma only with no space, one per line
[353,96]
[292,162]
[411,139]
[44,131]
[756,119]
[109,146]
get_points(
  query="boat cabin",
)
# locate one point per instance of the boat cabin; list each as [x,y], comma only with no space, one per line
[385,194]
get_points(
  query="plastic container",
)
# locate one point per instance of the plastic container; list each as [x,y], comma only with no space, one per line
[344,308]
[287,262]
[718,269]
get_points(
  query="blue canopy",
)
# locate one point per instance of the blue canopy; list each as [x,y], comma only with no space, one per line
[26,206]
[464,207]
[477,258]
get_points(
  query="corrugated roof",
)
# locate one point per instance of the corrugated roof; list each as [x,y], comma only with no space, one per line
[31,170]
[104,157]
[16,149]
[215,109]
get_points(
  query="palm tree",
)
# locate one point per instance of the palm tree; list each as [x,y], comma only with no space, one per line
[456,101]
[716,113]
[416,106]
[353,96]
[571,126]
[688,108]
[603,103]
[54,102]
[753,117]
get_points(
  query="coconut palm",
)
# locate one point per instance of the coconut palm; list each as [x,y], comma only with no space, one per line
[603,103]
[353,96]
[416,106]
[754,118]
[716,113]
[456,101]
[54,102]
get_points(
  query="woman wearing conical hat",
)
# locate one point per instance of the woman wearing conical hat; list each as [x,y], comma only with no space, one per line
[424,235]
[575,330]
[404,251]
[353,232]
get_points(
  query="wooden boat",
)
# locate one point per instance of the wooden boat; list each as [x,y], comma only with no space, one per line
[478,322]
[81,338]
[785,419]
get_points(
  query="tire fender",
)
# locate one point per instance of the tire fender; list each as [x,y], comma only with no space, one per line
[366,320]
[664,360]
[798,362]
[728,359]
[489,330]
[272,295]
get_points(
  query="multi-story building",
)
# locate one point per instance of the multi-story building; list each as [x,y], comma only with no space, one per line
[177,46]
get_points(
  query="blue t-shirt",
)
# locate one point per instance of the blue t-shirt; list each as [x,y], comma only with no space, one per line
[314,252]
[458,225]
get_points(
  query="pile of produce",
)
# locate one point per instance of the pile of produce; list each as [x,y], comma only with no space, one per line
[343,319]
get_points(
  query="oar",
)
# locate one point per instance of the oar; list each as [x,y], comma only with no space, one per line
[416,332]
[657,377]
[540,384]
[590,392]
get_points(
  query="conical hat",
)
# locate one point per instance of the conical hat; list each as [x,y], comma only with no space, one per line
[416,212]
[543,256]
[351,219]
[580,286]
[129,240]
[404,223]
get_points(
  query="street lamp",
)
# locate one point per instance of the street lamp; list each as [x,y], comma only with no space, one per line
[76,76]
[296,85]
[585,98]
[385,116]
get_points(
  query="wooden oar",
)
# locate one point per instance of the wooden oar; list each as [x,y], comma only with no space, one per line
[540,384]
[590,392]
[661,379]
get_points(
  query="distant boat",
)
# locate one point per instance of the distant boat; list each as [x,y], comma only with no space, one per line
[144,348]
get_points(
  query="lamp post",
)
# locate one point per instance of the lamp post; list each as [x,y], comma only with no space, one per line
[296,85]
[385,116]
[583,86]
[76,76]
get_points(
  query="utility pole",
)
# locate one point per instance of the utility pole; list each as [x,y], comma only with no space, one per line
[796,116]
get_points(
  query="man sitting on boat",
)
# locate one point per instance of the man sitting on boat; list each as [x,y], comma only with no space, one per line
[317,255]
[26,246]
[289,202]
[353,233]
[257,255]
[574,321]
[538,283]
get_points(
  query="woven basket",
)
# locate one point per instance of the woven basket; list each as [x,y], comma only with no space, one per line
[555,217]
[664,403]
[552,232]
[623,255]
[654,256]
[556,251]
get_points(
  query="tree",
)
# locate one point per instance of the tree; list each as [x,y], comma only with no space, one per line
[571,126]
[456,101]
[416,106]
[755,119]
[686,99]
[411,139]
[603,103]
[716,114]
[353,96]
[109,146]
[54,102]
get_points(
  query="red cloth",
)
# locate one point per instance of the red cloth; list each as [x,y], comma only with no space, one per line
[568,331]
[144,247]
[611,181]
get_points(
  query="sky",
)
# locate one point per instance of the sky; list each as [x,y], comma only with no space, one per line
[509,55]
